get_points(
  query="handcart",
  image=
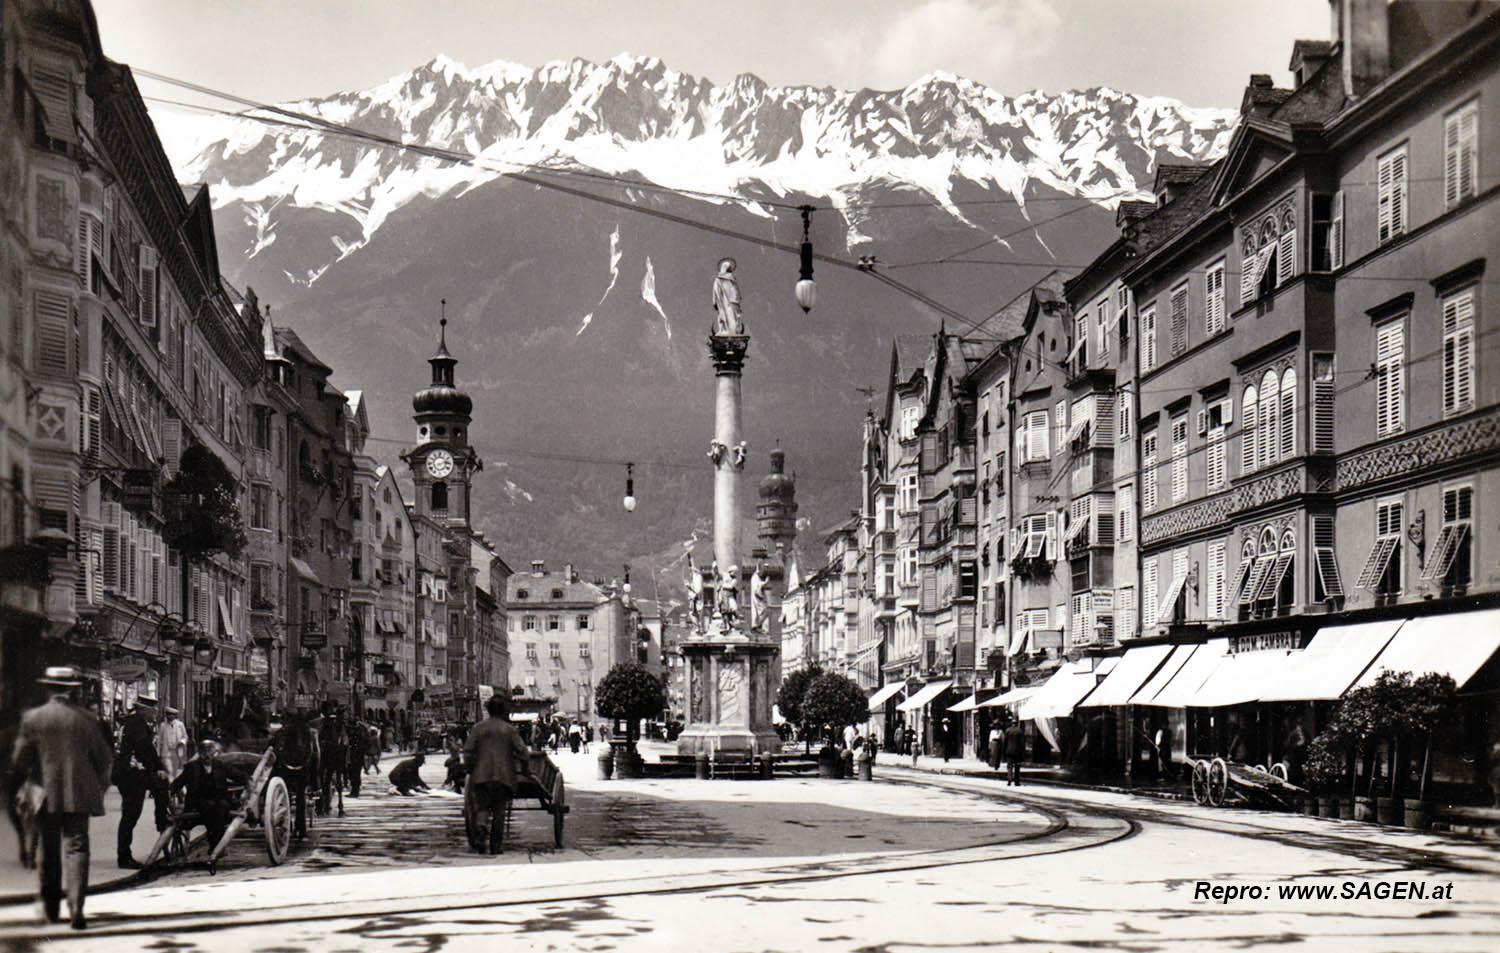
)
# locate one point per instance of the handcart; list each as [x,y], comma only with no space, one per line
[264,800]
[539,779]
[1218,782]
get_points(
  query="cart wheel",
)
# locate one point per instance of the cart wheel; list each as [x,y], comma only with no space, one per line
[1218,782]
[1200,781]
[276,818]
[559,808]
[1279,770]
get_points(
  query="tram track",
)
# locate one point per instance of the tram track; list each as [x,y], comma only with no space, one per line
[1065,829]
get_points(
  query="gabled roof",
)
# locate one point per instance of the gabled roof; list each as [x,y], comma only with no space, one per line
[288,340]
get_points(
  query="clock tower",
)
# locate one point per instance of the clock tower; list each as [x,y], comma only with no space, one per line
[443,463]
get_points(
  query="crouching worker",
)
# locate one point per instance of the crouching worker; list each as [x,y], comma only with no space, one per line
[405,777]
[493,752]
[205,786]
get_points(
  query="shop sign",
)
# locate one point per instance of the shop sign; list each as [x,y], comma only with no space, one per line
[302,700]
[127,669]
[258,664]
[1265,642]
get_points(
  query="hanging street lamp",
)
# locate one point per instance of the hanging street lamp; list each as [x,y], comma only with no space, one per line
[807,289]
[629,501]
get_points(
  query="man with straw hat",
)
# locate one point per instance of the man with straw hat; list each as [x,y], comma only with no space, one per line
[60,747]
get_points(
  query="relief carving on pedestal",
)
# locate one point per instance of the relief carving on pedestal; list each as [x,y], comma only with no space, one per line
[731,694]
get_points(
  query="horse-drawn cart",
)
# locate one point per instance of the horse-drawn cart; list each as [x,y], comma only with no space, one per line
[1218,782]
[538,778]
[263,800]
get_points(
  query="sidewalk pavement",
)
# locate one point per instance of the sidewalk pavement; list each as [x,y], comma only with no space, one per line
[1030,774]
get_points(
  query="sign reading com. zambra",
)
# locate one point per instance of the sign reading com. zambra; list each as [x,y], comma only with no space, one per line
[1265,642]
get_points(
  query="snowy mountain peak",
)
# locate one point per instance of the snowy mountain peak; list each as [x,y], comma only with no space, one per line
[635,116]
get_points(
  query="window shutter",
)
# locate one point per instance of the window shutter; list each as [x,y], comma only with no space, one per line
[91,407]
[1125,513]
[1247,431]
[83,251]
[1179,460]
[1288,414]
[1391,183]
[1389,357]
[1213,300]
[1216,580]
[1037,448]
[54,87]
[1336,232]
[1014,542]
[1217,463]
[1148,593]
[1060,426]
[1458,352]
[1179,319]
[1148,473]
[1247,277]
[53,319]
[1322,395]
[109,516]
[148,287]
[1127,402]
[1460,151]
[1104,420]
[1148,338]
[1286,256]
[1053,552]
[1201,419]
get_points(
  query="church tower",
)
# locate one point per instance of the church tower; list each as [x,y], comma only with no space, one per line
[443,462]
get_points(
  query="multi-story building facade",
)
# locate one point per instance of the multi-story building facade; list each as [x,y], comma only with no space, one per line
[382,571]
[320,533]
[565,635]
[125,348]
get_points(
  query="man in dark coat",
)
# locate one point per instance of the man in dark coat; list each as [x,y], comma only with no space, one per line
[60,748]
[493,753]
[138,769]
[405,777]
[205,784]
[1015,750]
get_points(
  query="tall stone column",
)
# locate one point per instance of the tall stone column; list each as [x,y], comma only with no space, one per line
[728,447]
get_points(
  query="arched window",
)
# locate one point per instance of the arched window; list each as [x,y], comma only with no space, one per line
[1247,430]
[1286,590]
[440,495]
[1266,442]
[1288,414]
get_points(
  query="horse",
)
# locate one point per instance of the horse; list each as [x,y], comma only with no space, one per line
[334,750]
[296,748]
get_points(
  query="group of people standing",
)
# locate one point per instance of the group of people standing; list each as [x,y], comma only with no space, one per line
[65,758]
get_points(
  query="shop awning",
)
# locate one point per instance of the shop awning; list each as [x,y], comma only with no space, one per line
[1456,644]
[1331,662]
[1154,684]
[1135,666]
[1013,697]
[883,695]
[968,704]
[304,570]
[1019,642]
[1241,678]
[929,691]
[1061,693]
[1178,693]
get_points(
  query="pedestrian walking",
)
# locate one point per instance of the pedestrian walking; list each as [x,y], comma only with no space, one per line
[204,783]
[1015,750]
[406,777]
[60,749]
[997,745]
[138,771]
[945,740]
[494,751]
[172,742]
[575,737]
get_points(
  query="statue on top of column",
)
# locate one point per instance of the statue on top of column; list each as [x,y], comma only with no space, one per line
[727,320]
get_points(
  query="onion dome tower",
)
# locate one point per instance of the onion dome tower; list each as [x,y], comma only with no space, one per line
[776,513]
[443,463]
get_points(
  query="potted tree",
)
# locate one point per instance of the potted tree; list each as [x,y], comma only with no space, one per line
[1323,769]
[831,702]
[1427,706]
[629,693]
[789,700]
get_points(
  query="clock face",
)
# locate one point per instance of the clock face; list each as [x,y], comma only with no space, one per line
[440,463]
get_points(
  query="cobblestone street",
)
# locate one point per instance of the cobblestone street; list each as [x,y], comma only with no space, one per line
[793,863]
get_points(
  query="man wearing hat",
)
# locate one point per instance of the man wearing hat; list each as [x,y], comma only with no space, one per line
[59,746]
[206,789]
[138,769]
[172,742]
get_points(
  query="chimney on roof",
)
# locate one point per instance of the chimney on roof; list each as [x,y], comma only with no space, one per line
[1362,29]
[538,567]
[568,574]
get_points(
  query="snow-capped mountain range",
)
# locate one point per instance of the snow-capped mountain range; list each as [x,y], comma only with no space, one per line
[635,117]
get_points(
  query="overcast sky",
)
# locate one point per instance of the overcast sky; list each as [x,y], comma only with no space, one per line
[1198,51]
